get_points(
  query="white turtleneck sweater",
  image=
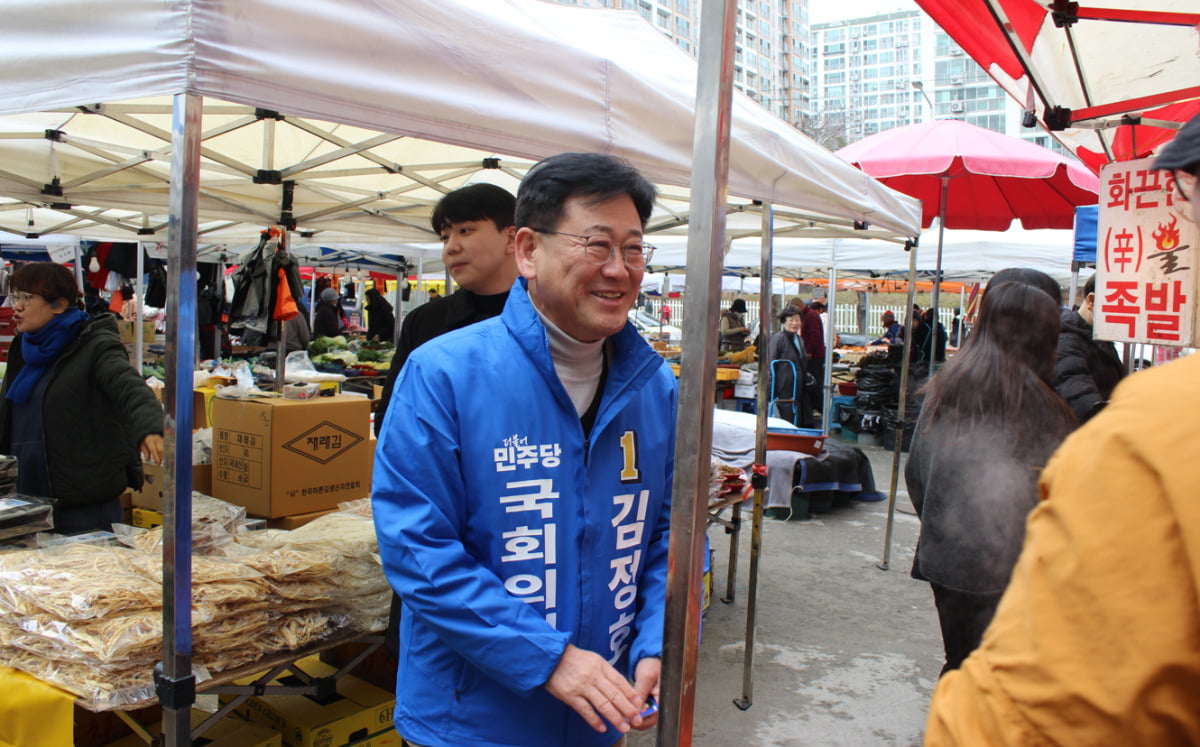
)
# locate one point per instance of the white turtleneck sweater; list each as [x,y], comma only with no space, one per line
[579,365]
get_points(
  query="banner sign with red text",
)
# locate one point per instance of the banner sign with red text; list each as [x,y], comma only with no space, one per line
[1147,262]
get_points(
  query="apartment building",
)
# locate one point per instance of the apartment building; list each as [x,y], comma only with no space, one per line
[878,72]
[771,52]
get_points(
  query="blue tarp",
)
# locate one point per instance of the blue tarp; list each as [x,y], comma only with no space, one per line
[1085,233]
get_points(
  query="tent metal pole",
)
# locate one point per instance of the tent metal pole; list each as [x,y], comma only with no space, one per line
[904,366]
[758,479]
[174,683]
[78,267]
[831,308]
[697,385]
[217,323]
[139,293]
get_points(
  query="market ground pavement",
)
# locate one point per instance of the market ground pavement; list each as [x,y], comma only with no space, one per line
[846,654]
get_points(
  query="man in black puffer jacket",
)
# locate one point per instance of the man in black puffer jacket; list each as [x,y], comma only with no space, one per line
[1088,370]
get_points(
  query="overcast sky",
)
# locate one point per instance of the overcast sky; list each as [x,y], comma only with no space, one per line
[820,11]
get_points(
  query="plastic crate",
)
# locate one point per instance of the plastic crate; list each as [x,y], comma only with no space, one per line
[804,440]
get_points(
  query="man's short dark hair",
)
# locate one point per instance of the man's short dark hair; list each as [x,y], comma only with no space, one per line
[551,182]
[475,202]
[1090,286]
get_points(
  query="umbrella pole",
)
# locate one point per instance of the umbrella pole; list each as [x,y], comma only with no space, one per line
[891,513]
[937,275]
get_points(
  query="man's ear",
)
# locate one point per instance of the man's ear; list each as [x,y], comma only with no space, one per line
[510,240]
[526,246]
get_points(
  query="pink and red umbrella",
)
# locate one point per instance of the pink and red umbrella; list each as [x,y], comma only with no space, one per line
[974,178]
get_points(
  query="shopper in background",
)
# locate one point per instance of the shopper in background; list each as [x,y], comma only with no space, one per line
[296,333]
[956,328]
[734,331]
[1088,370]
[813,332]
[327,320]
[381,320]
[521,494]
[1095,640]
[989,422]
[933,349]
[74,412]
[891,330]
[789,391]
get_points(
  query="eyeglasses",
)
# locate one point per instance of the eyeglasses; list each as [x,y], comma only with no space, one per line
[22,298]
[598,249]
[1185,182]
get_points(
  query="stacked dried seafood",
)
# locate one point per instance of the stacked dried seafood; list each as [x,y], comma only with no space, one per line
[89,618]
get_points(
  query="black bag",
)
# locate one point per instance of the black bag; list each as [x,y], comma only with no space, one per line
[156,288]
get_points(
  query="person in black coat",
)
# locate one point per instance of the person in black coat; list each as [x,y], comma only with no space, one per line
[381,321]
[789,390]
[1088,370]
[326,321]
[73,411]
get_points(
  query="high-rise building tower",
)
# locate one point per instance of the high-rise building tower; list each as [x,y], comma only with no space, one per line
[893,69]
[771,55]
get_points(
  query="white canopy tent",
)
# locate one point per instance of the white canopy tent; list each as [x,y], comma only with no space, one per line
[408,110]
[967,255]
[200,121]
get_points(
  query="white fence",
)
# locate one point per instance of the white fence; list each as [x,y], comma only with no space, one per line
[845,315]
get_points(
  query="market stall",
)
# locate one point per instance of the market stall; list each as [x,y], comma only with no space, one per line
[193,169]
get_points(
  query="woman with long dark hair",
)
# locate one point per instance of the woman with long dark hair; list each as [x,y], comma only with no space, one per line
[989,422]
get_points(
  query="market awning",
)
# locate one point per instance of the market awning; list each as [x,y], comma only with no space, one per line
[1110,79]
[350,118]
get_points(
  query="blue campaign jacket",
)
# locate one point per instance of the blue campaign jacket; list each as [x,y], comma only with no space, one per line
[508,535]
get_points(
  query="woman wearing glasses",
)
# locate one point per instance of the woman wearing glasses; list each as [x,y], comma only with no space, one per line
[74,411]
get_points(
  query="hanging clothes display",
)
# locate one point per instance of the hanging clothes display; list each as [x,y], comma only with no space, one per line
[256,288]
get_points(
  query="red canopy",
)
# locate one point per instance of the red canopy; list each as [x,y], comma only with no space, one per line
[990,178]
[1111,79]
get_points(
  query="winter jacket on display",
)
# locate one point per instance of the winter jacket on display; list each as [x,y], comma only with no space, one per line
[1088,370]
[1095,640]
[255,287]
[96,411]
[508,533]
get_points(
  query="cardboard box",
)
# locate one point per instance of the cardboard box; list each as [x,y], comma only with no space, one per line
[389,738]
[358,713]
[228,732]
[281,457]
[128,332]
[151,494]
[146,518]
[202,399]
[297,521]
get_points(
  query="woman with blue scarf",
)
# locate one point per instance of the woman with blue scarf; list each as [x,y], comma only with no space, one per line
[74,411]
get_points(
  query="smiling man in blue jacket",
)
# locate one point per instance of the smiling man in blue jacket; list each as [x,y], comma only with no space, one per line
[522,487]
